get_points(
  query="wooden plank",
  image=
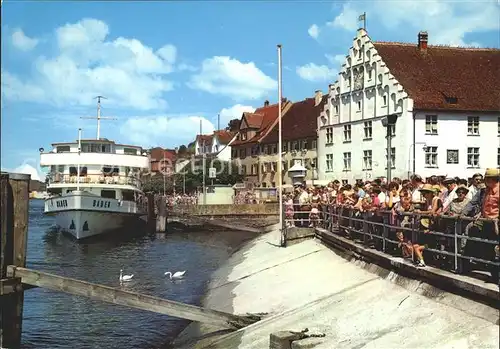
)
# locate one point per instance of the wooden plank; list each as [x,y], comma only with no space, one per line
[15,202]
[130,299]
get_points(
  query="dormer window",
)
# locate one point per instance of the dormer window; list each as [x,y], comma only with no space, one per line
[451,100]
[244,136]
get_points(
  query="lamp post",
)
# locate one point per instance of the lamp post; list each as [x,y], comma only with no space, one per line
[280,150]
[389,122]
[409,156]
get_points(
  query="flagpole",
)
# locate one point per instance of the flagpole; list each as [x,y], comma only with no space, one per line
[79,151]
[364,21]
[280,153]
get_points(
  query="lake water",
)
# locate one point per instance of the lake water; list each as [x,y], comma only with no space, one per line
[58,320]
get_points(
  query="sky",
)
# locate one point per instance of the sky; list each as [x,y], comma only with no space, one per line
[164,66]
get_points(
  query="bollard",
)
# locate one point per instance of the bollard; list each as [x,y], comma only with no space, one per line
[14,233]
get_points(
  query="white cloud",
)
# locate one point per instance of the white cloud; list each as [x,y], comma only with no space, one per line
[87,64]
[23,42]
[234,112]
[164,130]
[313,31]
[336,60]
[448,22]
[316,73]
[227,76]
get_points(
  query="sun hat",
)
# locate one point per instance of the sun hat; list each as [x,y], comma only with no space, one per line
[492,173]
[428,188]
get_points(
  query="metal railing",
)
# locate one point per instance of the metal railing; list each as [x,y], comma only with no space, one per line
[446,239]
[94,179]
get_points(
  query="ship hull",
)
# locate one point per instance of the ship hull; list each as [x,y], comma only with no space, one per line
[83,215]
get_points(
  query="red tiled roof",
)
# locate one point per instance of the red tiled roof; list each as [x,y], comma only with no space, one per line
[224,136]
[299,122]
[205,139]
[469,74]
[262,118]
[158,153]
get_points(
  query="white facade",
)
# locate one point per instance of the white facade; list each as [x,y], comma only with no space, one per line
[352,141]
[458,144]
[351,137]
[221,151]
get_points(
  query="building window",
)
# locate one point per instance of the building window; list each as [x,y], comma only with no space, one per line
[329,162]
[370,73]
[304,145]
[367,160]
[314,144]
[499,126]
[473,125]
[244,136]
[431,156]
[359,105]
[337,109]
[314,162]
[243,169]
[285,147]
[431,124]
[295,146]
[347,161]
[329,135]
[498,157]
[392,160]
[254,169]
[347,133]
[452,156]
[368,129]
[243,153]
[384,100]
[273,148]
[473,157]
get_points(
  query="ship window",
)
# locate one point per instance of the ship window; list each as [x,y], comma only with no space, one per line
[128,195]
[61,168]
[110,171]
[72,171]
[108,194]
[83,171]
[63,149]
[130,151]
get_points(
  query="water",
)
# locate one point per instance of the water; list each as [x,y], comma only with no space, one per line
[57,320]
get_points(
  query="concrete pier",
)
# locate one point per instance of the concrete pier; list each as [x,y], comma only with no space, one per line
[353,303]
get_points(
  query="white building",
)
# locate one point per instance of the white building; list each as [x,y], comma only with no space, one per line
[217,145]
[447,102]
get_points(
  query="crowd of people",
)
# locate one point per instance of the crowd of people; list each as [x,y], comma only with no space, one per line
[430,206]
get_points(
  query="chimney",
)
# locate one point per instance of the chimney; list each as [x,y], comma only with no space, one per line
[422,40]
[266,103]
[317,97]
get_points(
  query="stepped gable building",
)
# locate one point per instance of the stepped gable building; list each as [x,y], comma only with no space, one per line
[447,103]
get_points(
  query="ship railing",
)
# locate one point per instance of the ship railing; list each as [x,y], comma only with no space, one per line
[94,179]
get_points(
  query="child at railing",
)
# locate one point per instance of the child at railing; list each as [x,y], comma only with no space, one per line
[289,211]
[314,215]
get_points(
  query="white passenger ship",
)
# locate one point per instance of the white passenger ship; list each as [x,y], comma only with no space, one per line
[94,184]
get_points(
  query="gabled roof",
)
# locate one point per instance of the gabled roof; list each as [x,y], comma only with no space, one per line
[469,75]
[224,136]
[300,121]
[205,139]
[158,153]
[262,119]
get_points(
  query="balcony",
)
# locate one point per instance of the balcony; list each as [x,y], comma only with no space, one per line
[108,159]
[58,179]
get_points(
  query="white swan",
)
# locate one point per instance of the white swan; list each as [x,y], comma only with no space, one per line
[176,275]
[125,277]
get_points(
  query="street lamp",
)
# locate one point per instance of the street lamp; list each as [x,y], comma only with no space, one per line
[409,155]
[389,122]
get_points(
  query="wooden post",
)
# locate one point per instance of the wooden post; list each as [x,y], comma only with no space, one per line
[161,218]
[14,225]
[130,299]
[151,211]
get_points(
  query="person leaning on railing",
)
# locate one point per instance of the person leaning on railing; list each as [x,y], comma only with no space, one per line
[484,204]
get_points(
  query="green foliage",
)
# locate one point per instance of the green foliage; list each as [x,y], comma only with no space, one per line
[227,174]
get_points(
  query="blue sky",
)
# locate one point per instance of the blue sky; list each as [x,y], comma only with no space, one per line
[167,65]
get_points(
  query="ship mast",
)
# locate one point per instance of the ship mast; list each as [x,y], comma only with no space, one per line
[99,117]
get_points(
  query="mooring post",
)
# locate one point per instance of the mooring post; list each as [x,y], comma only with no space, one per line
[151,211]
[161,218]
[14,225]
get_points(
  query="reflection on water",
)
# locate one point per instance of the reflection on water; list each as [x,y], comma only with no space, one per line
[57,320]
